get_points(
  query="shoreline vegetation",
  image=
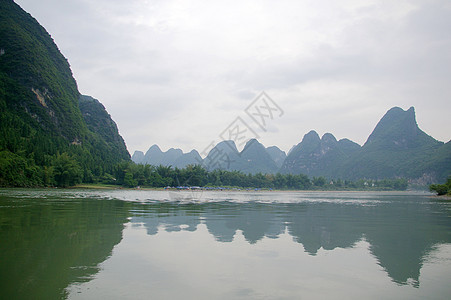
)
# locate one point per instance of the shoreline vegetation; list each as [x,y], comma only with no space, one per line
[442,189]
[130,175]
[66,172]
[133,175]
[95,186]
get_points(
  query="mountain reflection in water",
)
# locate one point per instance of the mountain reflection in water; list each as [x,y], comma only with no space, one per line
[401,231]
[51,239]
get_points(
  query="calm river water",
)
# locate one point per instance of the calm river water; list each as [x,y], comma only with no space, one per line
[137,244]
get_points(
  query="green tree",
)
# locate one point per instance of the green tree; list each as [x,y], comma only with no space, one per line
[441,189]
[129,181]
[319,181]
[280,181]
[67,171]
[48,176]
[17,171]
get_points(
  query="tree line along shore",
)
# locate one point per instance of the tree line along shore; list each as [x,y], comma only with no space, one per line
[66,172]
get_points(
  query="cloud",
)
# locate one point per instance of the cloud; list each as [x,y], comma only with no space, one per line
[176,73]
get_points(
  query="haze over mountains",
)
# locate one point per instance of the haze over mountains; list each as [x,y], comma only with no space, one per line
[172,157]
[45,122]
[253,158]
[396,148]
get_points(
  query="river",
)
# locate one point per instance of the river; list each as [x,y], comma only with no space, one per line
[147,244]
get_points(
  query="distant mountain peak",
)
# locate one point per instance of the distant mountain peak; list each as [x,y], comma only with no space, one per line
[155,147]
[312,134]
[397,147]
[255,158]
[277,155]
[318,157]
[398,128]
[173,150]
[228,146]
[138,157]
[328,137]
[252,143]
[153,151]
[172,157]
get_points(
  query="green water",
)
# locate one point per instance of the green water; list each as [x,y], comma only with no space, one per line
[81,244]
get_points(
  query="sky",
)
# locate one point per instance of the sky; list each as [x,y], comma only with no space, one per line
[186,74]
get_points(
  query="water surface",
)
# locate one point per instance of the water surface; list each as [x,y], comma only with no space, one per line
[132,244]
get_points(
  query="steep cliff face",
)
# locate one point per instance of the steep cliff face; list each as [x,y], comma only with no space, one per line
[99,121]
[40,109]
[36,78]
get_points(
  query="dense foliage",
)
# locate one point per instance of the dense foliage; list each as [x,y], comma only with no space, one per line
[99,121]
[40,117]
[441,189]
[133,175]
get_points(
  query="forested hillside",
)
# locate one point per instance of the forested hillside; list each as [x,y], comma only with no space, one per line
[44,139]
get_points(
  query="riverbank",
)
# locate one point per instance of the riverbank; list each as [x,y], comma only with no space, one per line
[442,197]
[99,186]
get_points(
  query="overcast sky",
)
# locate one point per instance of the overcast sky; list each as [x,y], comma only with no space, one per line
[178,73]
